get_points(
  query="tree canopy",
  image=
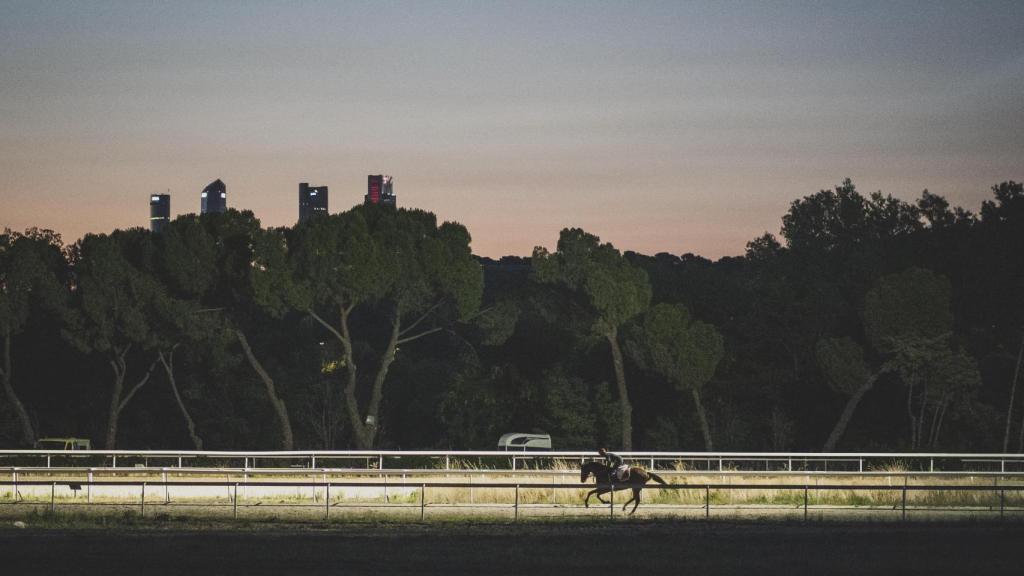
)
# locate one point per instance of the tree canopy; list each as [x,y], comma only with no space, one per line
[869,322]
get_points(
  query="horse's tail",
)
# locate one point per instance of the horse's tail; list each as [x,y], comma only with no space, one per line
[657,478]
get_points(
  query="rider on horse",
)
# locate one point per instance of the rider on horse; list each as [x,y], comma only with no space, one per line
[620,470]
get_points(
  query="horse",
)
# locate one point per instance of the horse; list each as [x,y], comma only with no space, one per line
[602,474]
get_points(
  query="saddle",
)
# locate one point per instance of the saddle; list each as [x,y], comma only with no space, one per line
[621,474]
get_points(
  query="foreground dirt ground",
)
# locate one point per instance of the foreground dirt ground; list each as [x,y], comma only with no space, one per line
[502,548]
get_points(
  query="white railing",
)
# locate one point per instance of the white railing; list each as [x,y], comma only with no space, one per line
[492,459]
[321,497]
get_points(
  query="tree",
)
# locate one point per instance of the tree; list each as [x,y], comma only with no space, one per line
[411,276]
[950,378]
[614,290]
[842,218]
[906,318]
[1013,391]
[1008,206]
[575,413]
[842,362]
[32,268]
[683,350]
[115,305]
[185,255]
[234,267]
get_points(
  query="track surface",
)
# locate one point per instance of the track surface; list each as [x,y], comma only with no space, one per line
[635,547]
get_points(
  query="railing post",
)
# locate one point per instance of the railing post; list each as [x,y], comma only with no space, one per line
[447,462]
[88,489]
[707,502]
[142,502]
[234,503]
[1002,502]
[904,499]
[47,460]
[805,502]
[516,515]
[423,501]
[611,503]
[115,460]
[380,462]
[53,497]
[327,502]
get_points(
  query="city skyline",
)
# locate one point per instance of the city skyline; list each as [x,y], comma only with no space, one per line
[660,126]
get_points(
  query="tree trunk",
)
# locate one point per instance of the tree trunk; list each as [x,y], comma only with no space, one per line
[363,441]
[910,412]
[1013,390]
[118,365]
[287,441]
[373,410]
[620,381]
[938,425]
[1020,440]
[28,434]
[117,402]
[365,429]
[920,418]
[168,364]
[704,428]
[847,415]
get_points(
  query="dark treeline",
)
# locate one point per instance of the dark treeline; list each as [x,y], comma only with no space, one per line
[870,323]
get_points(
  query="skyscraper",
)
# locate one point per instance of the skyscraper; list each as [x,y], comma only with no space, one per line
[312,201]
[379,190]
[159,211]
[214,197]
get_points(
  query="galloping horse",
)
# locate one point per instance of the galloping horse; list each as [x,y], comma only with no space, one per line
[603,476]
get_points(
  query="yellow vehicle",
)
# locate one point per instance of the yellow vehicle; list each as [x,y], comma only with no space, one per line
[63,444]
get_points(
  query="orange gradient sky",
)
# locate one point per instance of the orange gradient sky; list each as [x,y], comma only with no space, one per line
[670,126]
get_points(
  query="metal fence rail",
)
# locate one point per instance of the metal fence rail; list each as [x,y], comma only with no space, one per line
[455,460]
[517,504]
[140,470]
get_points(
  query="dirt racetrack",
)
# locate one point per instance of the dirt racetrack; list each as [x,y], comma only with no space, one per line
[635,547]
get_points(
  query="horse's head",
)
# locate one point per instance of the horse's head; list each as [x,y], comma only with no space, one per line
[588,469]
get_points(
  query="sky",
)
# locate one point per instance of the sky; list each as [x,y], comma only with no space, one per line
[658,126]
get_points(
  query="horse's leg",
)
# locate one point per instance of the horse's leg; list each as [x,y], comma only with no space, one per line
[595,492]
[626,505]
[636,500]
